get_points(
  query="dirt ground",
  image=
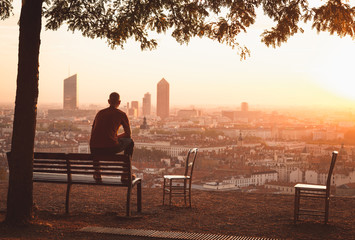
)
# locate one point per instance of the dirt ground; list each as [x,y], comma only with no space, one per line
[228,213]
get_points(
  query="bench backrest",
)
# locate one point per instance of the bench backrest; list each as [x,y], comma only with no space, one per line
[50,163]
[83,164]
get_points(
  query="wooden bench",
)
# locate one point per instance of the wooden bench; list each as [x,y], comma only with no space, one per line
[78,168]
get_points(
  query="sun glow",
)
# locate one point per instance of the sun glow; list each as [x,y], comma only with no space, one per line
[340,79]
[336,73]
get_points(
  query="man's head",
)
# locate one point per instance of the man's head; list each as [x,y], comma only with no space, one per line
[114,100]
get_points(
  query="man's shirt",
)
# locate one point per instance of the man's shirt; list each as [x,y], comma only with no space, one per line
[105,127]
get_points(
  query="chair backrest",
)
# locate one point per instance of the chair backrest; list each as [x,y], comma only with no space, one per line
[332,164]
[190,162]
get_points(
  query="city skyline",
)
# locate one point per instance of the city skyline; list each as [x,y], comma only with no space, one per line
[309,70]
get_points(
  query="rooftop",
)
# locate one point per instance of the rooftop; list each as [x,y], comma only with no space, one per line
[216,212]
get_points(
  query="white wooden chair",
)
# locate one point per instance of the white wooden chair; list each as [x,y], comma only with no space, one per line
[312,191]
[180,185]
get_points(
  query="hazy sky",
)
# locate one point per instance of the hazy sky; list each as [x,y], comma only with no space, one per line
[310,69]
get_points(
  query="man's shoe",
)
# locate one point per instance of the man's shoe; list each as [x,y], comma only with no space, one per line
[97,177]
[125,179]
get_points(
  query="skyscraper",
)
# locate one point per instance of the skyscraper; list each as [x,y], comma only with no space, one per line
[135,106]
[147,105]
[70,93]
[163,99]
[244,107]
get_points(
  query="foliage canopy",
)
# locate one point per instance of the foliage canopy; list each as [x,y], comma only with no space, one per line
[5,9]
[220,20]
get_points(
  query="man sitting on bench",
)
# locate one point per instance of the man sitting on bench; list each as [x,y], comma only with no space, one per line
[105,139]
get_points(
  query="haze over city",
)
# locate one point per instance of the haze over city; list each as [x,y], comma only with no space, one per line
[203,140]
[309,70]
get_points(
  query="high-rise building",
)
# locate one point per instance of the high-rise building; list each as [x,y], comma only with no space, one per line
[244,107]
[147,104]
[70,100]
[163,99]
[127,107]
[135,106]
[132,112]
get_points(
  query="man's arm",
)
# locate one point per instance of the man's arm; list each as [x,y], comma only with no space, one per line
[126,128]
[93,124]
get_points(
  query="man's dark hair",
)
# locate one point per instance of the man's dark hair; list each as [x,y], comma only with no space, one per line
[114,97]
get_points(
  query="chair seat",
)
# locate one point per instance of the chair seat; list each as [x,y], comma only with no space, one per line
[311,187]
[176,177]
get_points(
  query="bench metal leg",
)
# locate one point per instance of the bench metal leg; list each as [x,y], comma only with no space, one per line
[164,191]
[128,204]
[139,196]
[67,198]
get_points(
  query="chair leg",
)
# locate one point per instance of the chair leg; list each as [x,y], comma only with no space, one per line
[326,210]
[190,194]
[185,191]
[297,205]
[170,192]
[164,191]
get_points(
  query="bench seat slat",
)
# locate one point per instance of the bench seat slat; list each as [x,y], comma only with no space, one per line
[46,161]
[102,173]
[82,166]
[49,177]
[85,172]
[117,169]
[50,171]
[77,179]
[105,181]
[101,164]
[50,166]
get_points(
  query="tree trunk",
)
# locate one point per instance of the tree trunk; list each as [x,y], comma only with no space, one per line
[20,198]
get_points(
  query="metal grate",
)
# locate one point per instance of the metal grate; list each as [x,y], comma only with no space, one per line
[167,234]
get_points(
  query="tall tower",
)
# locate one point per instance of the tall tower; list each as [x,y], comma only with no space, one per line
[135,106]
[70,93]
[147,104]
[163,99]
[244,107]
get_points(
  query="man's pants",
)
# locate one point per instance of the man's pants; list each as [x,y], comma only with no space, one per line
[124,144]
